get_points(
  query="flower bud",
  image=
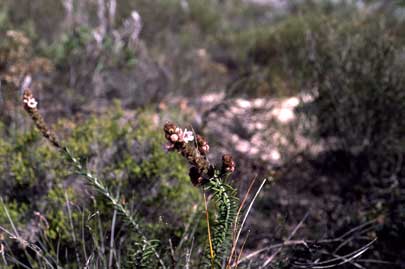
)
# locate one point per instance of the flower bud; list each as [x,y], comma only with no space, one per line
[202,144]
[169,128]
[228,165]
[195,176]
[174,138]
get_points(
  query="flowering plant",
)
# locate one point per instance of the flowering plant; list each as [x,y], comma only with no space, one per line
[221,227]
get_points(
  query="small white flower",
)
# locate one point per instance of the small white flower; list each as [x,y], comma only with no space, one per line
[31,103]
[188,136]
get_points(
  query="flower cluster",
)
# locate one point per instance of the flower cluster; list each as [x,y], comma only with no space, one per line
[180,136]
[29,101]
[30,105]
[201,171]
[178,140]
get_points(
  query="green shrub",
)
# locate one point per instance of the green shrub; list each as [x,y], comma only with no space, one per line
[357,77]
[272,56]
[130,157]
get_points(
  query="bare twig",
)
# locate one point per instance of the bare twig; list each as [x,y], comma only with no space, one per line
[357,228]
[186,236]
[72,227]
[209,231]
[376,261]
[172,255]
[269,260]
[337,261]
[15,236]
[116,203]
[242,247]
[83,241]
[112,249]
[257,252]
[249,208]
[346,237]
[355,264]
[188,255]
[234,232]
[2,252]
[17,262]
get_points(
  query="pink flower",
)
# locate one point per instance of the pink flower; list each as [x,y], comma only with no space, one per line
[188,136]
[230,169]
[174,138]
[182,136]
[205,148]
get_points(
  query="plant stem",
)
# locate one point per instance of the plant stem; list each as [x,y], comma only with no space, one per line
[209,231]
[120,207]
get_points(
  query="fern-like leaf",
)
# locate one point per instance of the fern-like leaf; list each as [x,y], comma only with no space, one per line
[226,202]
[142,255]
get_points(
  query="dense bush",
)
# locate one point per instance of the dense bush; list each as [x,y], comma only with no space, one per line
[346,60]
[126,151]
[356,77]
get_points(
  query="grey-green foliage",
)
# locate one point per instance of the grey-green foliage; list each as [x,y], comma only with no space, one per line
[356,81]
[148,246]
[130,154]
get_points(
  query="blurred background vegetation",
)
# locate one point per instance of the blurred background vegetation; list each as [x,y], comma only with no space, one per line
[313,90]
